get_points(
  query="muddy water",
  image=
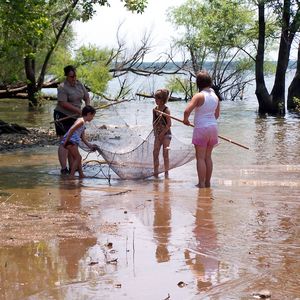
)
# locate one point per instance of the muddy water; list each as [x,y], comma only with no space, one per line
[165,239]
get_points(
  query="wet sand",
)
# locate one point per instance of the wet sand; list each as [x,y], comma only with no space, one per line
[148,239]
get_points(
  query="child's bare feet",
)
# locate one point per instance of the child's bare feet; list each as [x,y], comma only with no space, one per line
[200,186]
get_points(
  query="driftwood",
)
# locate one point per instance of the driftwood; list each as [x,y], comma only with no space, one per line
[172,98]
[12,128]
[19,91]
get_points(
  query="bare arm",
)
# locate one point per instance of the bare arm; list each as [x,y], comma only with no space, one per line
[217,111]
[168,125]
[86,99]
[83,138]
[86,96]
[85,141]
[197,100]
[74,127]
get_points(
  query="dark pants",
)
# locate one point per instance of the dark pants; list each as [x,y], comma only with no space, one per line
[62,126]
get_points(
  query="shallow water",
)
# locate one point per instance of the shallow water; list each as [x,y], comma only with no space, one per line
[169,238]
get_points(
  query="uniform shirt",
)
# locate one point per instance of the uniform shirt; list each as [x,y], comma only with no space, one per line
[72,94]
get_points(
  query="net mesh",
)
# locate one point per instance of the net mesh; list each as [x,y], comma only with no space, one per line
[129,154]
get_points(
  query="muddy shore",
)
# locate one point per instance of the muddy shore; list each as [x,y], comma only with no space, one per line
[37,137]
[171,240]
[23,223]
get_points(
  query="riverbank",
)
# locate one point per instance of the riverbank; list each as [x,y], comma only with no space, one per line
[169,239]
[36,137]
[231,241]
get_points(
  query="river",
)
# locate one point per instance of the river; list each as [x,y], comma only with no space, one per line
[170,240]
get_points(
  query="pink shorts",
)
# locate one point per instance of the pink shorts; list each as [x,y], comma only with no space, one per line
[205,137]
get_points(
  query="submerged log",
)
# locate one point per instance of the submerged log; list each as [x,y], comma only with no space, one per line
[20,90]
[12,128]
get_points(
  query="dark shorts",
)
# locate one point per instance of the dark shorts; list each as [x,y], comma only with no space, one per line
[63,126]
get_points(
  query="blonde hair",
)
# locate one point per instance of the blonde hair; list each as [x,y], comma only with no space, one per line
[162,94]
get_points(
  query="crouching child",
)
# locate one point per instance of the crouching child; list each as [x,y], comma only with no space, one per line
[73,137]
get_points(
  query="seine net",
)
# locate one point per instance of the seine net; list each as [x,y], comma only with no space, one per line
[128,153]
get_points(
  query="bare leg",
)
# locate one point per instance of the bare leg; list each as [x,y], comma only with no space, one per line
[70,160]
[76,161]
[79,169]
[201,165]
[209,166]
[156,150]
[166,144]
[62,156]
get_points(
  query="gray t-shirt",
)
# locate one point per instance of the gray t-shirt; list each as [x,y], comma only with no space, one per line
[72,94]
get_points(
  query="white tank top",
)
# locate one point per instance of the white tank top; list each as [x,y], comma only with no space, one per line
[205,114]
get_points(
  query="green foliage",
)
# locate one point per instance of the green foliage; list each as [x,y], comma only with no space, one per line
[91,64]
[87,7]
[60,58]
[181,86]
[269,68]
[135,5]
[213,34]
[28,29]
[212,24]
[40,32]
[92,67]
[25,24]
[11,61]
[297,104]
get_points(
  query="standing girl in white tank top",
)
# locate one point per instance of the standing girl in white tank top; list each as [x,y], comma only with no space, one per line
[206,105]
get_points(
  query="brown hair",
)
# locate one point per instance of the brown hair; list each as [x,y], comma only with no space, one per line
[69,69]
[203,80]
[88,109]
[162,94]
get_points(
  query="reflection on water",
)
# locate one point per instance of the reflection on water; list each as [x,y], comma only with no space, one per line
[227,242]
[201,257]
[276,140]
[42,266]
[16,111]
[71,251]
[161,222]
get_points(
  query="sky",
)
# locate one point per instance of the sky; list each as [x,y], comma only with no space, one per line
[101,30]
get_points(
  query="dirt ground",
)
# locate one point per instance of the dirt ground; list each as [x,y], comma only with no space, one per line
[35,138]
[21,224]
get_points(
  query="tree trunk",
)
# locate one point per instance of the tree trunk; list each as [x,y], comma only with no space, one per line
[278,91]
[262,94]
[294,88]
[275,102]
[31,85]
[35,85]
